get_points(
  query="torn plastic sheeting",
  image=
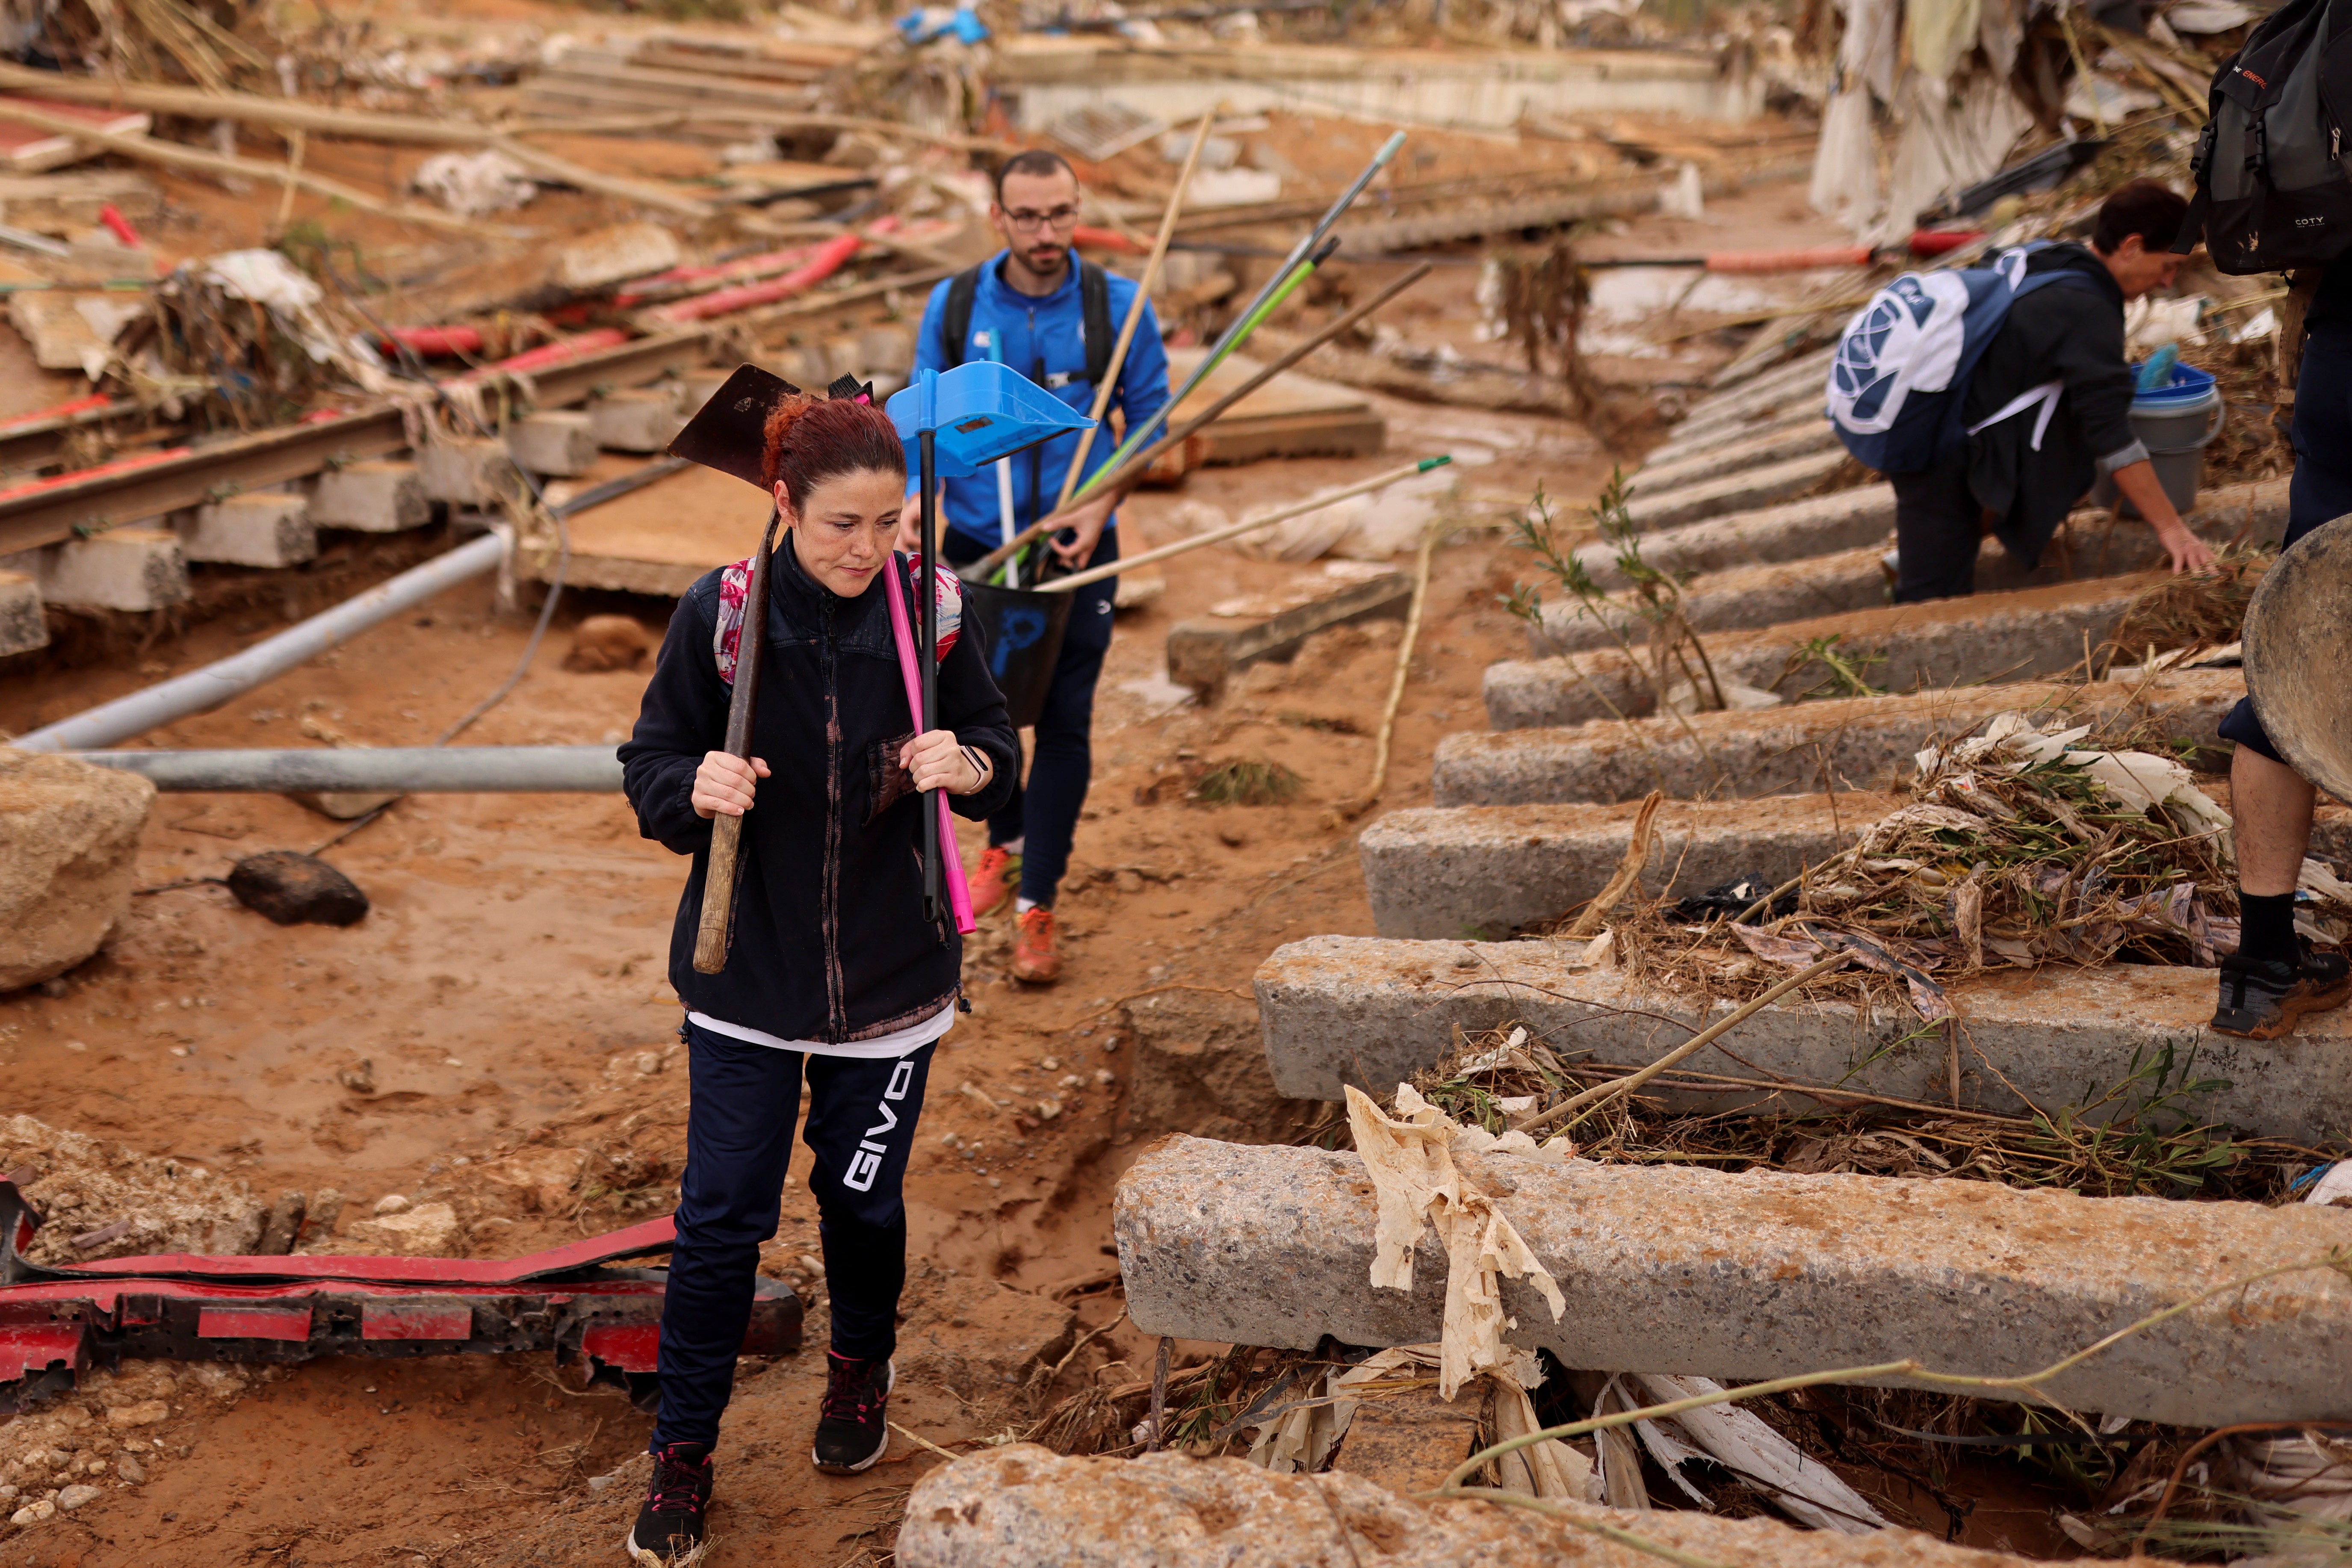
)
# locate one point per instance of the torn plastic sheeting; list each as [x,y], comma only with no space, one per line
[1417,1186]
[476,185]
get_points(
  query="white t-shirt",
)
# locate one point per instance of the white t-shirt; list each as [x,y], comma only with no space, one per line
[898,1043]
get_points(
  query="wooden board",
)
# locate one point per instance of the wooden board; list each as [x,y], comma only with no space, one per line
[660,539]
[1293,416]
[1204,654]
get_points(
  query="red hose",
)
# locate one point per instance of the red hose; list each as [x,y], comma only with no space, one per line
[1094,238]
[57,411]
[1941,241]
[830,258]
[443,342]
[1789,260]
[546,354]
[114,219]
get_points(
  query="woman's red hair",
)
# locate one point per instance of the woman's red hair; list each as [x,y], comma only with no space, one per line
[812,439]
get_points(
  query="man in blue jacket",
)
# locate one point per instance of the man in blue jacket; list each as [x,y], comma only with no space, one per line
[1054,318]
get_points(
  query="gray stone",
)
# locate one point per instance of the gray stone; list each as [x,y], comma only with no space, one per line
[555,443]
[1336,1007]
[291,889]
[376,496]
[129,569]
[1863,742]
[74,1496]
[1847,519]
[637,419]
[1739,1277]
[1022,1506]
[68,858]
[1775,445]
[2019,635]
[1768,485]
[1489,870]
[266,527]
[24,624]
[467,471]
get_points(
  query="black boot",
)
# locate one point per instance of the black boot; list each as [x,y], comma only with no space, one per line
[852,1431]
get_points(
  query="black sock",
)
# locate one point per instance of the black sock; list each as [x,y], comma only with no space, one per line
[2266,928]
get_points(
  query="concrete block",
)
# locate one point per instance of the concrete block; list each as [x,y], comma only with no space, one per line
[1847,519]
[1733,454]
[121,569]
[1490,870]
[1742,598]
[1683,443]
[1768,485]
[1020,1506]
[467,471]
[1948,642]
[23,625]
[268,528]
[697,388]
[637,419]
[1336,1007]
[375,497]
[1743,1277]
[608,256]
[72,331]
[1865,743]
[1800,383]
[1204,654]
[562,444]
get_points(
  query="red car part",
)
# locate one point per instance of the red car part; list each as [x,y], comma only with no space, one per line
[602,1320]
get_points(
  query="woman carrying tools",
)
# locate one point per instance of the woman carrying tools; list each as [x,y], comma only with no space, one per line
[832,971]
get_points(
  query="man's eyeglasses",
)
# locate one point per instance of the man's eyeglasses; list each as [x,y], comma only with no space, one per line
[1028,222]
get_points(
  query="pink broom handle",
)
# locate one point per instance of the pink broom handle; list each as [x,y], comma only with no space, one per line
[958,894]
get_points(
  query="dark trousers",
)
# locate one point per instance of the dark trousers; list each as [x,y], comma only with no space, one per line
[1938,530]
[2321,491]
[1044,810]
[739,1139]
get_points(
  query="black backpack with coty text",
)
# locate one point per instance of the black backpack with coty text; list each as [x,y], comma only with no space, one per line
[2272,191]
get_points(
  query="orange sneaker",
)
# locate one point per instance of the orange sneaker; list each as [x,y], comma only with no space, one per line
[1033,958]
[992,882]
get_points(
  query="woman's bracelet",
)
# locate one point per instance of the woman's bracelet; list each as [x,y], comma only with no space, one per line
[983,766]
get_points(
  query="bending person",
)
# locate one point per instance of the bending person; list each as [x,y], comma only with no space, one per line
[834,974]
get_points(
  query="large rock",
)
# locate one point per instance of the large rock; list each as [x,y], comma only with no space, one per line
[1022,1506]
[68,858]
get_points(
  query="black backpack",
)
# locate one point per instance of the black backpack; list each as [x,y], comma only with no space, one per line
[1094,322]
[2272,187]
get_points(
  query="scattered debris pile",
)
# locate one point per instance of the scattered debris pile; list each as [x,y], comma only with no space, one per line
[105,1200]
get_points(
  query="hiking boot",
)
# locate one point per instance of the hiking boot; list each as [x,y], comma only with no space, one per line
[670,1531]
[1033,958]
[851,1431]
[998,874]
[2262,999]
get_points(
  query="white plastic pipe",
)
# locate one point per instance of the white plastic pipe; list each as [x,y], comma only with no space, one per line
[199,690]
[406,770]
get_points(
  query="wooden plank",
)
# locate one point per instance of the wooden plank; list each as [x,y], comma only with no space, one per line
[1204,654]
[659,540]
[1293,416]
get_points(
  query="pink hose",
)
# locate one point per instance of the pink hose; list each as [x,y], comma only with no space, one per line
[959,893]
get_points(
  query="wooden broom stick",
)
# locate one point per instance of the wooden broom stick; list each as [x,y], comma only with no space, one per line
[1135,311]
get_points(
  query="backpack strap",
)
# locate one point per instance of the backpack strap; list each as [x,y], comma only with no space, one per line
[1094,315]
[955,314]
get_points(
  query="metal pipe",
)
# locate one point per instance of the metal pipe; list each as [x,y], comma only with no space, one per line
[200,690]
[111,723]
[405,770]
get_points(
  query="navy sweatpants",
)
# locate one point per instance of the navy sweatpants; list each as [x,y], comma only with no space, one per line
[1044,810]
[739,1139]
[2321,491]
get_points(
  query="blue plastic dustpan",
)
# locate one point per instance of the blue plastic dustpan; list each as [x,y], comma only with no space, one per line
[979,412]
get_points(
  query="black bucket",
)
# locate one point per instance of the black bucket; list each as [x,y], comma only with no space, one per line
[1020,633]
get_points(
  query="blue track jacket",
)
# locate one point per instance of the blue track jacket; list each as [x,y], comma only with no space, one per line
[1042,339]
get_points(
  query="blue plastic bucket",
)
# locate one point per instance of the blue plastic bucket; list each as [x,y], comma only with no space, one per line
[2174,422]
